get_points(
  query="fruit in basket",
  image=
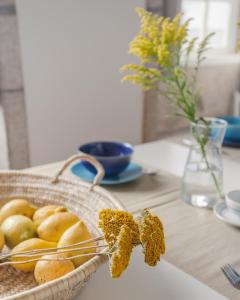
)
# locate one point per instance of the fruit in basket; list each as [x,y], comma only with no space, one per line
[49,270]
[1,240]
[54,226]
[29,245]
[75,234]
[44,212]
[17,229]
[17,207]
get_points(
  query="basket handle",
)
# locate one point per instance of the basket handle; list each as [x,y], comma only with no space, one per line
[91,160]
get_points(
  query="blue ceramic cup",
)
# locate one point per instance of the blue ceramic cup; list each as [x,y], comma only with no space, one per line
[233,129]
[114,156]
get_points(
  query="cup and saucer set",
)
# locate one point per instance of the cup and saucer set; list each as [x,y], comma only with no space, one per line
[229,210]
[232,135]
[115,158]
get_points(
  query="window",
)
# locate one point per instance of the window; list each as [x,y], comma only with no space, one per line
[219,16]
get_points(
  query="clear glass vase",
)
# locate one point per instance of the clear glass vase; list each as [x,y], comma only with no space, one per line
[203,175]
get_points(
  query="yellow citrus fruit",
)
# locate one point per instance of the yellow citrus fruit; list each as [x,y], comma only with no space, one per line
[73,235]
[52,228]
[29,245]
[1,240]
[17,207]
[44,212]
[17,229]
[49,270]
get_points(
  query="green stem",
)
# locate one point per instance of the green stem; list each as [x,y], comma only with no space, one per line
[187,108]
[202,144]
[204,155]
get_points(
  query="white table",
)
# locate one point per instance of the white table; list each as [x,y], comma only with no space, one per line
[197,242]
[164,282]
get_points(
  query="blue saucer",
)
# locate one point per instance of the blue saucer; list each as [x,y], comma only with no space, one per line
[132,172]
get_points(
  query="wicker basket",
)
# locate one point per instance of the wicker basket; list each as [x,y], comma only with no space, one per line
[81,198]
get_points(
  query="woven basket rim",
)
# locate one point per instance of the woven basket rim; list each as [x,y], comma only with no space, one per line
[66,180]
[82,270]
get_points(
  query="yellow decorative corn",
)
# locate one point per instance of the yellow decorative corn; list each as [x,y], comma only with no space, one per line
[152,237]
[121,252]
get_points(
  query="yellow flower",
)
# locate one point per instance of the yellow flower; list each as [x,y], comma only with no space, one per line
[122,250]
[173,33]
[143,48]
[111,221]
[135,79]
[164,56]
[145,44]
[141,70]
[158,39]
[182,32]
[167,31]
[151,237]
[122,232]
[150,24]
[144,76]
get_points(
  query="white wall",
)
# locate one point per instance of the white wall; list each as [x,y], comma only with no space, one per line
[72,51]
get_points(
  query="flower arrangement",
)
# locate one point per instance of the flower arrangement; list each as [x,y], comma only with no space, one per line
[122,233]
[151,237]
[121,252]
[111,221]
[163,48]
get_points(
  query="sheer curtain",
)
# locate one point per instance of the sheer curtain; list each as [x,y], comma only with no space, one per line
[13,125]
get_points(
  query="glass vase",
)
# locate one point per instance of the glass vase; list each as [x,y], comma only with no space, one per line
[202,183]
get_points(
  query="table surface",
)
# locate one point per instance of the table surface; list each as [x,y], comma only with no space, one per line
[141,282]
[197,242]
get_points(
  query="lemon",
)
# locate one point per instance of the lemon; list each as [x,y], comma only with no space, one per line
[73,235]
[17,207]
[28,245]
[17,229]
[54,226]
[1,240]
[49,270]
[46,211]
